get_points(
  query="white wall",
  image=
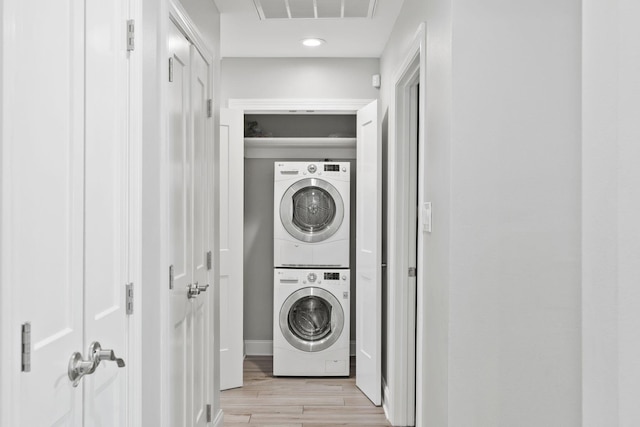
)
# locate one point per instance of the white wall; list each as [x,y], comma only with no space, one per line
[248,78]
[323,78]
[515,230]
[611,202]
[503,171]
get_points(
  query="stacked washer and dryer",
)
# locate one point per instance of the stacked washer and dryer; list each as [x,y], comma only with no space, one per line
[311,269]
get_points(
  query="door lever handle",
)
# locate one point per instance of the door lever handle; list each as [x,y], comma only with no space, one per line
[109,355]
[193,289]
[78,367]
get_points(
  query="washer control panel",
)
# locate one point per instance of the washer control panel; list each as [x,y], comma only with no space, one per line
[293,276]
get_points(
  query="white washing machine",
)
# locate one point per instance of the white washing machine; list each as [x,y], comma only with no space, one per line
[311,322]
[311,214]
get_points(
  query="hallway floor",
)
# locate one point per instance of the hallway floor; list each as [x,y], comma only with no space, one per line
[297,402]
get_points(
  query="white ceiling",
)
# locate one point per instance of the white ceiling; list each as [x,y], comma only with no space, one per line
[244,34]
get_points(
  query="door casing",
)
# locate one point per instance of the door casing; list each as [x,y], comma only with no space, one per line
[285,106]
[405,334]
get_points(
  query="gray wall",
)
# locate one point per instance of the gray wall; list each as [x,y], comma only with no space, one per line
[502,285]
[258,244]
[249,78]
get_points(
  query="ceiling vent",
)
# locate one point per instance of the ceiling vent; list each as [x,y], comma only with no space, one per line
[314,9]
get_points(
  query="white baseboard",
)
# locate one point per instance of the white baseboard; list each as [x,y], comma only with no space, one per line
[258,347]
[265,348]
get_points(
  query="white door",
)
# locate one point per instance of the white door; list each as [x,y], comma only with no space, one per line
[106,207]
[368,254]
[52,221]
[180,227]
[231,247]
[42,209]
[190,335]
[201,363]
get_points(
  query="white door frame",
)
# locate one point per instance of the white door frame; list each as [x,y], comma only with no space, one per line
[405,329]
[609,291]
[292,106]
[135,220]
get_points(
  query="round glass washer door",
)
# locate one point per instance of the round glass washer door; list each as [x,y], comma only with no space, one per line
[311,319]
[311,210]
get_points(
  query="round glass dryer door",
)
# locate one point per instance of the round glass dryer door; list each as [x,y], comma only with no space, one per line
[311,319]
[311,210]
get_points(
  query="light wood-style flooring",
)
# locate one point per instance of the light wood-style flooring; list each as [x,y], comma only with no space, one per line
[297,402]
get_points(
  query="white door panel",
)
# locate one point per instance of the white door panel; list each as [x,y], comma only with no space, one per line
[200,361]
[231,247]
[368,255]
[42,203]
[179,332]
[179,161]
[106,207]
[180,228]
[189,235]
[199,95]
[64,228]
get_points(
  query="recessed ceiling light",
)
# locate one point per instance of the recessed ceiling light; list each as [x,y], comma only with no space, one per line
[311,42]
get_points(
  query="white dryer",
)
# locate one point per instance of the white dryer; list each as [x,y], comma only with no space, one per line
[311,214]
[311,322]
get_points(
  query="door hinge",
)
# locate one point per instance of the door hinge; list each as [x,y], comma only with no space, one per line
[171,276]
[129,298]
[209,260]
[131,35]
[209,107]
[170,69]
[209,415]
[26,347]
[413,271]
